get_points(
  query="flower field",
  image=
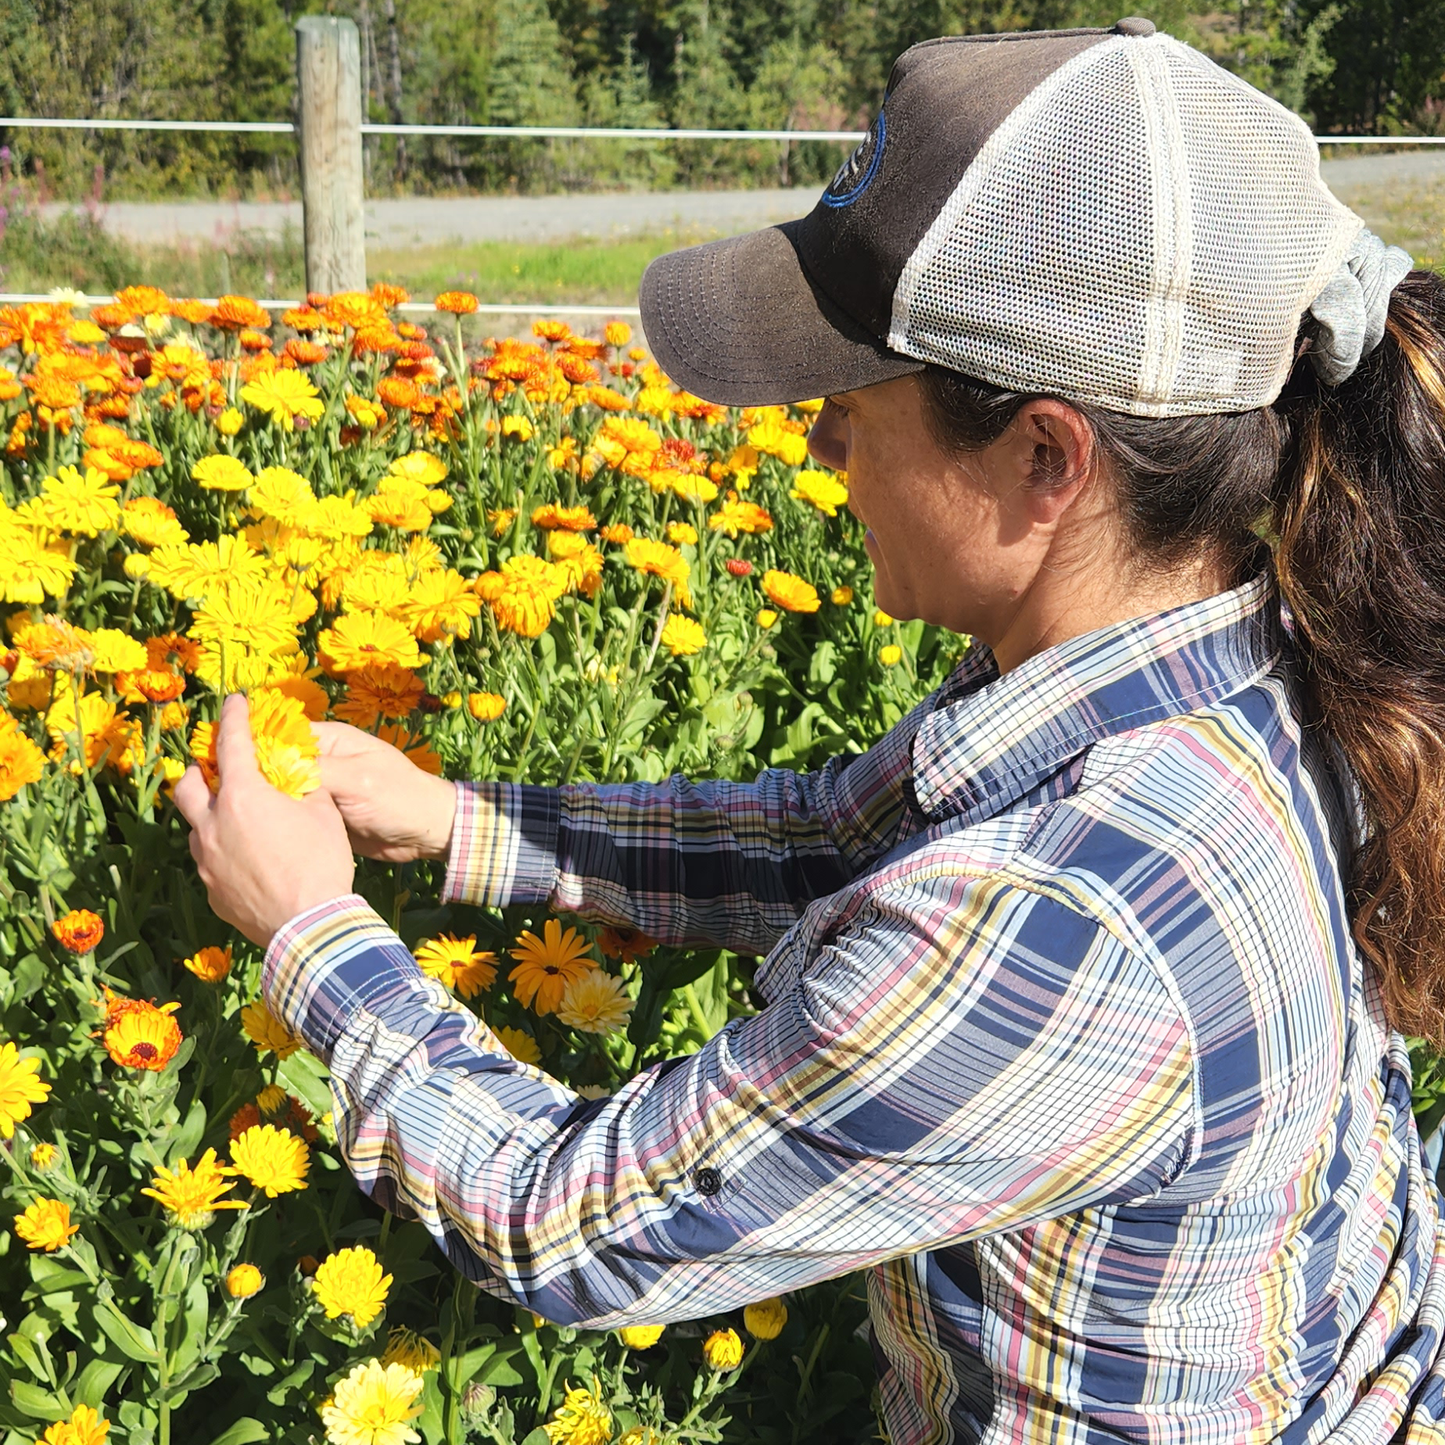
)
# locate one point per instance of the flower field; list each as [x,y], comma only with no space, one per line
[529,560]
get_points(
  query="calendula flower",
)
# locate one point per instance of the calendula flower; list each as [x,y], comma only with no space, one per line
[520,1044]
[210,964]
[381,691]
[440,605]
[372,1404]
[271,1098]
[230,422]
[458,963]
[238,313]
[683,534]
[272,1159]
[365,639]
[350,1282]
[790,593]
[42,1156]
[83,505]
[221,473]
[627,944]
[891,655]
[568,519]
[618,333]
[406,1347]
[821,490]
[190,1196]
[284,395]
[595,1003]
[640,1337]
[657,559]
[287,751]
[841,596]
[21,762]
[522,593]
[459,303]
[46,1225]
[79,931]
[682,637]
[723,1350]
[244,1280]
[267,1032]
[773,436]
[881,618]
[425,468]
[545,966]
[765,1320]
[20,1087]
[582,1419]
[486,706]
[152,523]
[138,1035]
[766,618]
[281,493]
[85,1427]
[735,517]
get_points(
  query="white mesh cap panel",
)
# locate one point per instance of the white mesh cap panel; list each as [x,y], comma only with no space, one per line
[1093,247]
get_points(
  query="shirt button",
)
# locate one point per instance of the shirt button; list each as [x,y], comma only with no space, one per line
[708,1181]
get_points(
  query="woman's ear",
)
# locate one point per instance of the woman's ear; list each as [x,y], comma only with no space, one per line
[1061,456]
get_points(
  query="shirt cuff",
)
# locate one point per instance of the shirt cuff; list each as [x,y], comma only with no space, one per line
[504,844]
[306,979]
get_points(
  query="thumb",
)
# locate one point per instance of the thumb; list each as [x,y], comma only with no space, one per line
[235,752]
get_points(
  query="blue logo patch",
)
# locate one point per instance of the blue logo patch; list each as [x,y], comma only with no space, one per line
[856,174]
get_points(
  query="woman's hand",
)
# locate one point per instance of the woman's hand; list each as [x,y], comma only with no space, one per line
[263,856]
[394,812]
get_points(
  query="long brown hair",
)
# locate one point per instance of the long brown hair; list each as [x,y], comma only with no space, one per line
[1348,483]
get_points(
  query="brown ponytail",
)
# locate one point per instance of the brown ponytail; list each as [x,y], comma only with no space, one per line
[1360,515]
[1350,480]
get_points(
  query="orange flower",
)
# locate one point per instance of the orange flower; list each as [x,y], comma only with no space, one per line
[568,519]
[143,300]
[79,932]
[389,296]
[21,762]
[617,532]
[627,944]
[210,964]
[236,313]
[550,329]
[398,393]
[138,1035]
[383,690]
[254,340]
[545,966]
[459,303]
[790,593]
[304,353]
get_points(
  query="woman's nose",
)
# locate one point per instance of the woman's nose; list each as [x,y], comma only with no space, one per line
[828,439]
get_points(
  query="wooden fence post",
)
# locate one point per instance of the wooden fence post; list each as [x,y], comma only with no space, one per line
[328,74]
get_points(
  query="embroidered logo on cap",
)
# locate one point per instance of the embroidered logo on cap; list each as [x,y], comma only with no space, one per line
[856,174]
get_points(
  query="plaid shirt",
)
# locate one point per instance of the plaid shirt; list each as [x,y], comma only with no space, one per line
[1066,1042]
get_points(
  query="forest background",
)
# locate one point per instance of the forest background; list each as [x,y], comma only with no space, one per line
[1351,66]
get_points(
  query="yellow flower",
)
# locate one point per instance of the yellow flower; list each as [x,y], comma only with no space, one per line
[765,1320]
[230,422]
[272,1159]
[660,560]
[401,504]
[881,618]
[458,963]
[152,523]
[32,569]
[841,596]
[890,655]
[582,1418]
[643,1435]
[723,1350]
[366,639]
[372,1404]
[545,966]
[734,517]
[501,519]
[84,505]
[766,617]
[486,706]
[281,493]
[522,594]
[518,426]
[368,414]
[85,1427]
[772,436]
[618,333]
[21,762]
[684,534]
[209,964]
[221,473]
[822,490]
[42,1156]
[406,1347]
[790,593]
[350,1282]
[422,467]
[596,1003]
[440,605]
[284,395]
[520,1044]
[136,567]
[682,637]
[20,1087]
[552,517]
[640,1337]
[267,1032]
[116,652]
[46,1225]
[287,751]
[199,568]
[271,1098]
[244,1281]
[191,1196]
[138,1035]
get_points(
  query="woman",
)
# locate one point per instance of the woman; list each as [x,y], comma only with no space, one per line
[1083,983]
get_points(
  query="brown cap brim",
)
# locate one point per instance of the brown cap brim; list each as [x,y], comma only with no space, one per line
[738,322]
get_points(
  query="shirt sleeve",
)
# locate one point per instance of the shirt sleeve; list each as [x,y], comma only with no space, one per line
[958,1057]
[726,864]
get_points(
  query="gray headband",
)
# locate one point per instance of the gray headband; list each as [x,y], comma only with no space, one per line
[1349,314]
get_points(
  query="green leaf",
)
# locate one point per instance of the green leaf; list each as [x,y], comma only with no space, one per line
[42,1404]
[95,1379]
[245,1431]
[307,1076]
[539,1436]
[194,1320]
[188,1136]
[133,1340]
[33,1355]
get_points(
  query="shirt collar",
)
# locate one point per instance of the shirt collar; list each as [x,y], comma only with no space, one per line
[978,755]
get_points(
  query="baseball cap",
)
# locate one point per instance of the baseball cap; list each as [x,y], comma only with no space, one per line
[1101,214]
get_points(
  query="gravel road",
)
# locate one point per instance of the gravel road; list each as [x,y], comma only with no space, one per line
[1362,181]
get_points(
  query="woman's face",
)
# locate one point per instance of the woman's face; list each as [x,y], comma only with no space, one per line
[953,540]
